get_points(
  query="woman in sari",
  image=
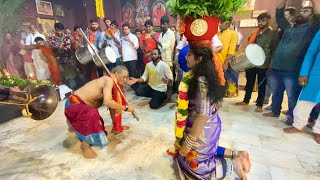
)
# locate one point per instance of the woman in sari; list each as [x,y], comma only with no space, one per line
[198,125]
[148,42]
[50,56]
[11,59]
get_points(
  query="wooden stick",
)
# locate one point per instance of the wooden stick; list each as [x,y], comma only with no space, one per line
[105,67]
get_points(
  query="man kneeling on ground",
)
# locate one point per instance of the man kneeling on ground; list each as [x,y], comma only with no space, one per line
[157,76]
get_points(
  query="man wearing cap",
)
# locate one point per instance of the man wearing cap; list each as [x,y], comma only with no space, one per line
[287,60]
[266,38]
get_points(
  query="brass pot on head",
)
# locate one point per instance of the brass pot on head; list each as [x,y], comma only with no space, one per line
[39,104]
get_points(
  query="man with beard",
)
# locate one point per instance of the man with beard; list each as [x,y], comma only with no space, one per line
[289,55]
[94,36]
[166,44]
[266,38]
[157,76]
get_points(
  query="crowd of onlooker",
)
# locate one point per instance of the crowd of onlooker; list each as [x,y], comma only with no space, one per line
[292,55]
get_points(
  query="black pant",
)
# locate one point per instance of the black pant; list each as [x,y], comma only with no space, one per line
[89,69]
[157,97]
[251,79]
[132,68]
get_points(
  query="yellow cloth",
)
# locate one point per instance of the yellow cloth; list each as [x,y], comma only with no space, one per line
[99,9]
[153,75]
[229,41]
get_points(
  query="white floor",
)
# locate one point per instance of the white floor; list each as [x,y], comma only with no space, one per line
[44,150]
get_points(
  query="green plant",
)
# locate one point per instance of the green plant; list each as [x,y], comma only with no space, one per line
[20,83]
[195,8]
[8,19]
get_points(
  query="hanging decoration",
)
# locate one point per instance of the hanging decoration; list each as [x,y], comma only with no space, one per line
[99,9]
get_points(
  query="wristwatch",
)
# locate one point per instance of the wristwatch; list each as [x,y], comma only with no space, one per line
[126,108]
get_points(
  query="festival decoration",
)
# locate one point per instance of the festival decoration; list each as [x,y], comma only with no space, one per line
[16,82]
[198,21]
[196,16]
[99,9]
[182,104]
[201,8]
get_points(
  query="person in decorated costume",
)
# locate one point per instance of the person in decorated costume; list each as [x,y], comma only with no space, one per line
[196,154]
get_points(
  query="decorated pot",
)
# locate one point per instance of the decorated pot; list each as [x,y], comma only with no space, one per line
[203,28]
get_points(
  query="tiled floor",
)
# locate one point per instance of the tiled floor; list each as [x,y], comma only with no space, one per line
[44,150]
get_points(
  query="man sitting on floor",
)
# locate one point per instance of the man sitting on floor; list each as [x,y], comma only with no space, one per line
[81,111]
[157,76]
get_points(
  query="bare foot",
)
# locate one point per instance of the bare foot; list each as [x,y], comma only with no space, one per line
[269,108]
[285,112]
[241,104]
[126,127]
[245,160]
[258,109]
[291,130]
[270,114]
[239,169]
[115,132]
[70,130]
[316,137]
[87,151]
[310,125]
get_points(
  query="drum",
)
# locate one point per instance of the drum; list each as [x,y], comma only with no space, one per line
[253,56]
[85,54]
[107,55]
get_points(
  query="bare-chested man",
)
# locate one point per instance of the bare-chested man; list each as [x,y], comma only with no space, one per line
[82,113]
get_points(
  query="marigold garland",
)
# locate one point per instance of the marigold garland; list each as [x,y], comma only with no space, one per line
[219,69]
[182,104]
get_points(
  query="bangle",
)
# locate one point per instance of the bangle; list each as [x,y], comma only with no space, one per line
[190,141]
[220,152]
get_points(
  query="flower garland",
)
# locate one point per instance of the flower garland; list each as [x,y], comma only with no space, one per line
[182,104]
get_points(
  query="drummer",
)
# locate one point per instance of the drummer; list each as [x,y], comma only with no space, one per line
[111,37]
[81,110]
[94,36]
[266,38]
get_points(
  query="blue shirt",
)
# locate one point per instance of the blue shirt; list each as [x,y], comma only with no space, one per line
[97,38]
[311,69]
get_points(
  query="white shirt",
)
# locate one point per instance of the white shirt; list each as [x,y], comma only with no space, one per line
[215,42]
[167,46]
[153,75]
[129,51]
[31,37]
[111,42]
